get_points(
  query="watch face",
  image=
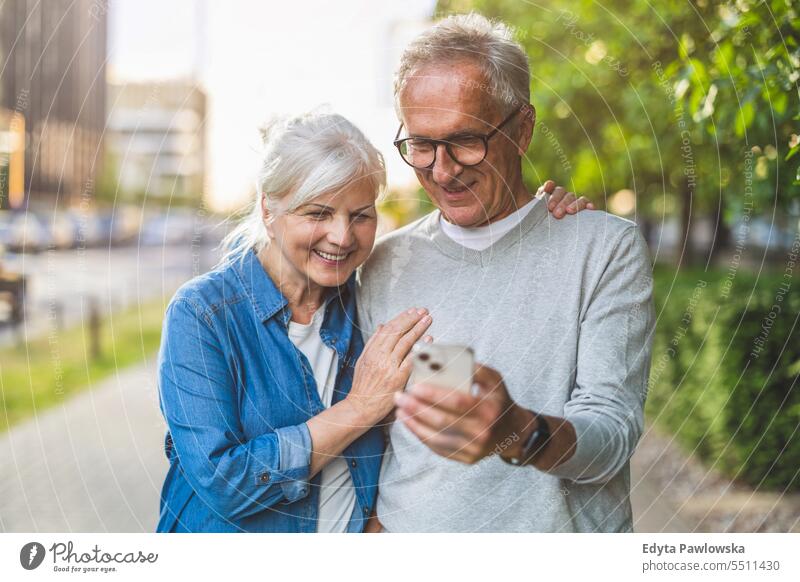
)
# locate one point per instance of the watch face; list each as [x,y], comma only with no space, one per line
[537,440]
[533,445]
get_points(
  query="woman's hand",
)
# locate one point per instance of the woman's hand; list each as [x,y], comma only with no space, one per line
[385,364]
[562,202]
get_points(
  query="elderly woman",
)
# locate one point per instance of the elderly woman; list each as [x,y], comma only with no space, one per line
[271,398]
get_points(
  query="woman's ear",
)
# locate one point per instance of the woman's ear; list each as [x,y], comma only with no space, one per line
[526,128]
[266,217]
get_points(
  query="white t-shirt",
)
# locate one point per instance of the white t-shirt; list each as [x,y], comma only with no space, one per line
[482,237]
[337,497]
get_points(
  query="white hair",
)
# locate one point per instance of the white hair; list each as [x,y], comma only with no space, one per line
[304,156]
[489,44]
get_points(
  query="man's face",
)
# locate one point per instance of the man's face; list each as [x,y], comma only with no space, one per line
[440,101]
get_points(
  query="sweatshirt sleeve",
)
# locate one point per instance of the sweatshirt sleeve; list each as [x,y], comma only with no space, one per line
[365,322]
[606,406]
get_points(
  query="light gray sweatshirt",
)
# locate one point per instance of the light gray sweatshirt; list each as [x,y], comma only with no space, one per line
[562,309]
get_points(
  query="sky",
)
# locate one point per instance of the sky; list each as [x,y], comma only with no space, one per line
[256,59]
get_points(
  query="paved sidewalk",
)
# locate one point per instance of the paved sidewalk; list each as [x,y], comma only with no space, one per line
[95,463]
[652,510]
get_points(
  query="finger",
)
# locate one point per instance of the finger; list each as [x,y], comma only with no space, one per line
[577,205]
[402,322]
[548,186]
[555,197]
[433,416]
[404,369]
[428,339]
[442,444]
[466,428]
[447,399]
[560,209]
[402,375]
[567,200]
[412,336]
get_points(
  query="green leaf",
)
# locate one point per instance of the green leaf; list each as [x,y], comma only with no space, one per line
[779,101]
[700,76]
[745,118]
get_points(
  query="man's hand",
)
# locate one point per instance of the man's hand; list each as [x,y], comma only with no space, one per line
[562,202]
[464,427]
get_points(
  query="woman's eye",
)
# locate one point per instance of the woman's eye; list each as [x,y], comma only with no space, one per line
[363,217]
[317,215]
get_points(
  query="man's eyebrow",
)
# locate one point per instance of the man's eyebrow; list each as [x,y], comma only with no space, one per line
[450,136]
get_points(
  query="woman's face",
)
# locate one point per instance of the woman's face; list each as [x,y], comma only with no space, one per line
[327,238]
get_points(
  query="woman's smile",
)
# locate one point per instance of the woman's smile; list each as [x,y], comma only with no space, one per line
[333,259]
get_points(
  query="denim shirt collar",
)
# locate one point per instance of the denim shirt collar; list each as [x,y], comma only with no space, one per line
[268,301]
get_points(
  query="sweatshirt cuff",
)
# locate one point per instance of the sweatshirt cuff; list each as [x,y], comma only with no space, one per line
[595,459]
[295,460]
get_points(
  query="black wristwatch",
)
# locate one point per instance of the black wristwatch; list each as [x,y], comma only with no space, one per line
[533,445]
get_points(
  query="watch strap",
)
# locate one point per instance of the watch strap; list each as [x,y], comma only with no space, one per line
[533,445]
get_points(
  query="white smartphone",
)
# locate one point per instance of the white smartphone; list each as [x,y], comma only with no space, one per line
[446,365]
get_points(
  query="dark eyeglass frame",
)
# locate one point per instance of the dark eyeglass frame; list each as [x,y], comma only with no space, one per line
[398,143]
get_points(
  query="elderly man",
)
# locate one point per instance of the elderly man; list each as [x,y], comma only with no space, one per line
[557,311]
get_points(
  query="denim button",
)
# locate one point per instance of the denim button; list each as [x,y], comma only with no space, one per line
[366,511]
[353,463]
[264,477]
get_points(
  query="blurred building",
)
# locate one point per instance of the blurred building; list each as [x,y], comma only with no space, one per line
[156,139]
[52,100]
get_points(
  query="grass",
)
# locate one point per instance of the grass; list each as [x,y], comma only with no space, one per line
[46,371]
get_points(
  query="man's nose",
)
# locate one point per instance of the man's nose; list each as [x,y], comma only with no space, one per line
[445,168]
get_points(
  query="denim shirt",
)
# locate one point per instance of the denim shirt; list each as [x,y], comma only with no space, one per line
[236,394]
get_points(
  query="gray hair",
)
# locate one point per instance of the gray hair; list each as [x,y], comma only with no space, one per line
[304,156]
[489,44]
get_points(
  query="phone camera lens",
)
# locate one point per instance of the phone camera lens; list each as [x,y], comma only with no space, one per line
[436,367]
[424,357]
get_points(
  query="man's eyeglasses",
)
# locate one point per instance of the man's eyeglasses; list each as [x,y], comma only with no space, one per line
[466,149]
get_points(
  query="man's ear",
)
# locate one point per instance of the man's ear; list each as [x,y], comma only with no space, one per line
[528,121]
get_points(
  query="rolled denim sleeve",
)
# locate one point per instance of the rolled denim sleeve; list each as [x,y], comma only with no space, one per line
[606,406]
[295,458]
[234,475]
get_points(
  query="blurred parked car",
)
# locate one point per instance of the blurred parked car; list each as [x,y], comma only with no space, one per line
[5,231]
[87,229]
[23,232]
[170,229]
[119,227]
[63,230]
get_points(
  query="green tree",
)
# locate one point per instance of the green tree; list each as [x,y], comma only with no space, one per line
[744,91]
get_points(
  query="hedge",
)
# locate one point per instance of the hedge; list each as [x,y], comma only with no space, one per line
[725,368]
